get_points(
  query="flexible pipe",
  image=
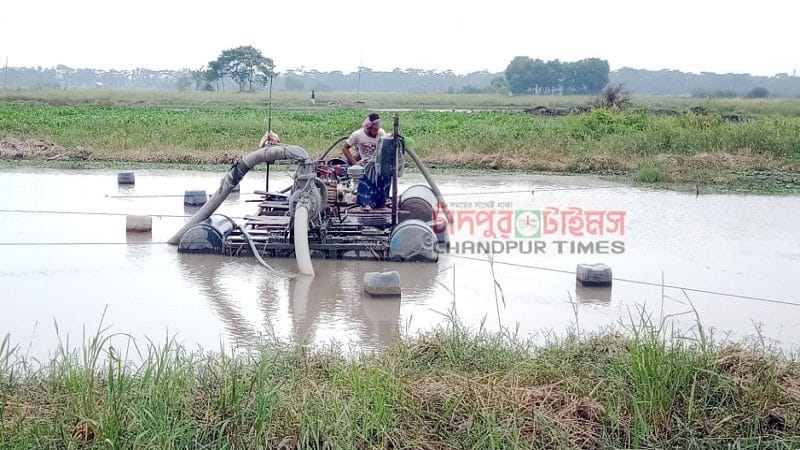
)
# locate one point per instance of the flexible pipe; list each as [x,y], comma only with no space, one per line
[235,175]
[432,184]
[301,250]
[255,251]
[331,147]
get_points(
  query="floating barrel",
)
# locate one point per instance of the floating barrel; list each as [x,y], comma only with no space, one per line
[126,178]
[195,198]
[419,202]
[207,236]
[413,240]
[138,223]
[593,275]
[382,283]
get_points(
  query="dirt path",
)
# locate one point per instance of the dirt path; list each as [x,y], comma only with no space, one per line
[40,149]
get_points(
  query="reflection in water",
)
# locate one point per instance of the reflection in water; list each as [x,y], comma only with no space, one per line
[139,237]
[189,210]
[205,273]
[139,253]
[597,295]
[383,316]
[329,306]
[125,189]
[318,299]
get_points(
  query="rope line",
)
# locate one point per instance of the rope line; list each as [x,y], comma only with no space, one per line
[546,269]
[526,191]
[524,266]
[87,213]
[11,244]
[91,213]
[645,283]
[146,196]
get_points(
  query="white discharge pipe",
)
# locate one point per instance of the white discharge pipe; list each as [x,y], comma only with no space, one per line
[301,250]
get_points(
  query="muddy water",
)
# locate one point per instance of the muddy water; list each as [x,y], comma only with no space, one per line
[67,269]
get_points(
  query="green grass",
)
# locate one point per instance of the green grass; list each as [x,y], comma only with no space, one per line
[371,100]
[650,172]
[502,134]
[449,388]
[281,99]
[705,149]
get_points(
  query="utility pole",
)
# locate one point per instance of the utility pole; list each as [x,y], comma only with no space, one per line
[358,80]
[269,125]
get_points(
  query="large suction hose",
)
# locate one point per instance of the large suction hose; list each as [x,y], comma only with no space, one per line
[301,250]
[235,175]
[434,187]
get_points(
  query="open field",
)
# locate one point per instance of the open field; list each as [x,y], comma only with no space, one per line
[450,388]
[728,145]
[371,100]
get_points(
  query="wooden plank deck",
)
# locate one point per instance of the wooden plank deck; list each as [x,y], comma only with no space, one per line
[268,220]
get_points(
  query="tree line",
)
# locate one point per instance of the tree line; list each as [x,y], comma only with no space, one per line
[525,75]
[706,84]
[246,69]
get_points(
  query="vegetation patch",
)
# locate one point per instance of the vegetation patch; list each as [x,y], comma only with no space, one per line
[449,388]
[700,145]
[651,172]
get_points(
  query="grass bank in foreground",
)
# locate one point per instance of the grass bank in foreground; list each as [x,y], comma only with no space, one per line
[450,388]
[758,152]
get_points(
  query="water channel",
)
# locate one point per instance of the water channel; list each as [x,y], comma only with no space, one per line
[65,259]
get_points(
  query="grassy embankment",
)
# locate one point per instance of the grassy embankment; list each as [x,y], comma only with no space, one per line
[451,388]
[760,152]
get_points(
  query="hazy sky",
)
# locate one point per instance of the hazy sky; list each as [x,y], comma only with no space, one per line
[759,37]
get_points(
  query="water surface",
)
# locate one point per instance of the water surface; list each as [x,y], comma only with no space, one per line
[67,268]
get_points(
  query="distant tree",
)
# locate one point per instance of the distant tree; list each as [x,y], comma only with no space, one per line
[596,74]
[198,76]
[214,73]
[539,76]
[758,92]
[519,75]
[553,76]
[62,72]
[498,85]
[183,82]
[245,65]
